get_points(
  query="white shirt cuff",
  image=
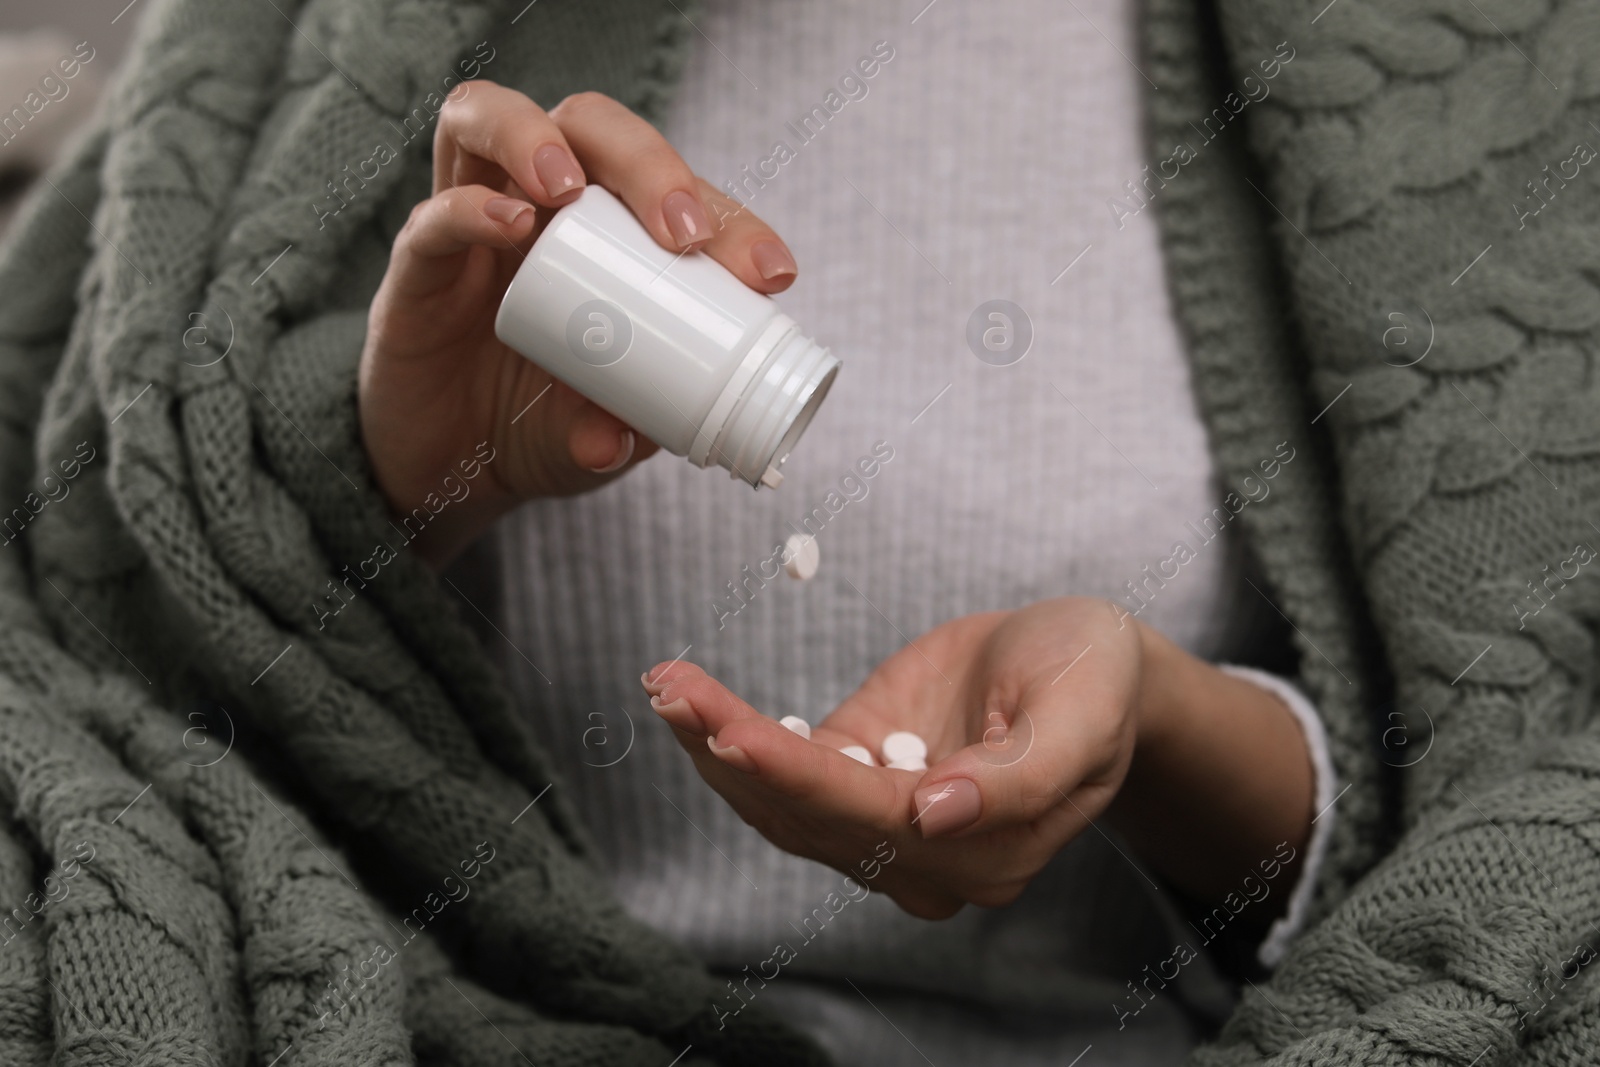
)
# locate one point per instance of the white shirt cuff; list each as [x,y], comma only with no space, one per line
[1285,929]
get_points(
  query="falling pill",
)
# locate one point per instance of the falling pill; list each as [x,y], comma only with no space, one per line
[904,745]
[803,556]
[797,724]
[859,754]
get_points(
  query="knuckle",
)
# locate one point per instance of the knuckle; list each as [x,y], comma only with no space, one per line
[660,159]
[746,733]
[415,221]
[579,105]
[673,674]
[453,103]
[890,820]
[677,683]
[465,101]
[456,206]
[1034,805]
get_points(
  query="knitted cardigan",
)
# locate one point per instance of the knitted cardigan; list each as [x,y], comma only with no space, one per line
[239,832]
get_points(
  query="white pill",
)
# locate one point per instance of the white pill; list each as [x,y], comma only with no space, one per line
[859,754]
[904,745]
[797,724]
[909,765]
[803,556]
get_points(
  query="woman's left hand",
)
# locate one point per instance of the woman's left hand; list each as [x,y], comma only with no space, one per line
[1031,718]
[1037,721]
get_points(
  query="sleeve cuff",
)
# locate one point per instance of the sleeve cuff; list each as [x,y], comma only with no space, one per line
[1287,928]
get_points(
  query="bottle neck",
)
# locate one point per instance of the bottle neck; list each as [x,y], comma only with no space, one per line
[774,406]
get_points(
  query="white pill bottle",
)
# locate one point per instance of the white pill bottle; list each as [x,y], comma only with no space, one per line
[673,345]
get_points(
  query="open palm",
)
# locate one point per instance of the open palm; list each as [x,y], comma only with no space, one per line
[1028,716]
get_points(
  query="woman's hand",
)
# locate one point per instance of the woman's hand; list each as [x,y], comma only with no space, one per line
[435,381]
[1037,722]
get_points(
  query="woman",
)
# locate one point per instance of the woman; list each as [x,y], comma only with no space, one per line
[231,547]
[1210,772]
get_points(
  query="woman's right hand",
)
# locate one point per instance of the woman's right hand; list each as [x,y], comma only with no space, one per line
[436,383]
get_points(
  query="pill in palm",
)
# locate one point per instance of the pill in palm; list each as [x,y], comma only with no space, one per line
[904,745]
[859,754]
[797,724]
[908,765]
[803,556]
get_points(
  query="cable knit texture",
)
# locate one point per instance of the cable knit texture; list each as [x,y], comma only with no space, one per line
[211,500]
[220,913]
[1391,169]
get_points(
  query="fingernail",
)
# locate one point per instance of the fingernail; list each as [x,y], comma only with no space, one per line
[653,688]
[505,210]
[732,755]
[948,806]
[623,456]
[686,218]
[679,713]
[772,260]
[558,171]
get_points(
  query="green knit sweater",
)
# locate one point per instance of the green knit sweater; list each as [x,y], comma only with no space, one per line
[234,837]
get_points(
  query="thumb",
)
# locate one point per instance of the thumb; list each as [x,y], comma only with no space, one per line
[567,443]
[1021,769]
[600,442]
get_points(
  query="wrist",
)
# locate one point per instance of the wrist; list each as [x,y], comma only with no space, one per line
[1220,774]
[442,513]
[1158,704]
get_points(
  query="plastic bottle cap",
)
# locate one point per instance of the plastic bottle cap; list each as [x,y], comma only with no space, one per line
[804,556]
[860,754]
[797,724]
[904,745]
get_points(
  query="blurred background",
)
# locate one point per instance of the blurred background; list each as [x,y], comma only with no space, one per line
[39,106]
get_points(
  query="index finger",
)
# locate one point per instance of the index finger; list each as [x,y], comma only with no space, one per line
[830,783]
[624,153]
[490,132]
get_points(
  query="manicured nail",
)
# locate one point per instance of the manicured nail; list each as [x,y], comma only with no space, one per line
[558,171]
[772,260]
[653,688]
[625,453]
[679,713]
[732,755]
[686,218]
[945,807]
[505,210]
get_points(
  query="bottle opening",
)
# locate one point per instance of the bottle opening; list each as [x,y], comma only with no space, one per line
[774,407]
[802,420]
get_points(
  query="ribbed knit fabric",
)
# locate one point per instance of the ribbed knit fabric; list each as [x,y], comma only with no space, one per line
[1070,471]
[221,900]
